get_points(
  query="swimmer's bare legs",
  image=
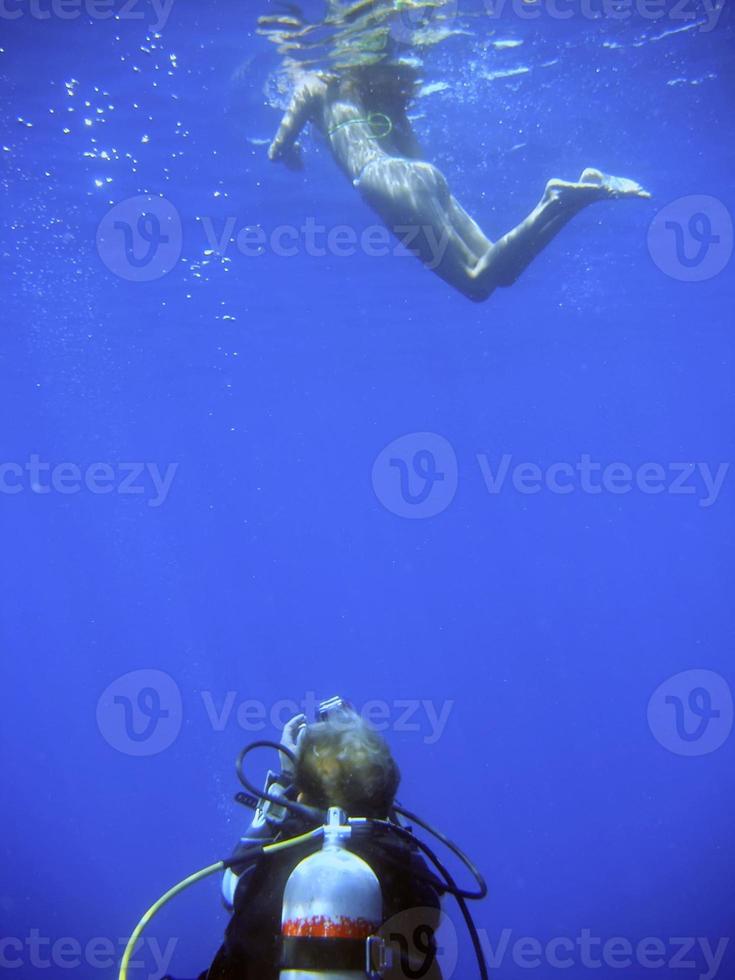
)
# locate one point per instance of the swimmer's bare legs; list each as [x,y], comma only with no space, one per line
[507,258]
[414,200]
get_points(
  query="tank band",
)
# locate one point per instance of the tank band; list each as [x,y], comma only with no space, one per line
[323,955]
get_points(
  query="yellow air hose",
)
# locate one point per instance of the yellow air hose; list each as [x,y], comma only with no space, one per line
[191,880]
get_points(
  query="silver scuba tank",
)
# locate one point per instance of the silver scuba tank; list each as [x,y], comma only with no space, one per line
[332,911]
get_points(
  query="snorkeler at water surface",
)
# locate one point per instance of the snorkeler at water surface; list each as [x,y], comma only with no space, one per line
[362,112]
[354,74]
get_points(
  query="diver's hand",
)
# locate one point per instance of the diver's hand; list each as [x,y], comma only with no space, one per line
[290,736]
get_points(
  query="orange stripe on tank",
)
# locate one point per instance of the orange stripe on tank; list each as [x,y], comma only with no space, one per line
[322,927]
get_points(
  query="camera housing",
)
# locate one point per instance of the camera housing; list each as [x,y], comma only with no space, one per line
[332,706]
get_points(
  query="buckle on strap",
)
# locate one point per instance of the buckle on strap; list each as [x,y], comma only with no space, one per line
[378,957]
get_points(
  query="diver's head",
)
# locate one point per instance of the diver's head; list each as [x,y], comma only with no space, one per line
[343,762]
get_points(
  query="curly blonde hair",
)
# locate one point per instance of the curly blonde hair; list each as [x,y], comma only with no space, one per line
[343,762]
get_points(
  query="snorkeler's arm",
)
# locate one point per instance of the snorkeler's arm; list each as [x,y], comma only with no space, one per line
[306,100]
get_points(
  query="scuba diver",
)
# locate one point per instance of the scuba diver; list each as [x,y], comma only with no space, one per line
[330,881]
[336,762]
[362,113]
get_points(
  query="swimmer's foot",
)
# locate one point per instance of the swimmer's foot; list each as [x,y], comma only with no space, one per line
[613,186]
[593,185]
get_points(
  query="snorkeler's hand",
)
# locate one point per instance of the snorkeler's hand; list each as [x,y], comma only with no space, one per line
[292,731]
[274,151]
[289,155]
[293,157]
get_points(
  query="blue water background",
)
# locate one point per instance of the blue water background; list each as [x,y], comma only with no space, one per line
[272,569]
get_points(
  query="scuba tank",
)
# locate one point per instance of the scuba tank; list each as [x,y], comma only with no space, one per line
[332,911]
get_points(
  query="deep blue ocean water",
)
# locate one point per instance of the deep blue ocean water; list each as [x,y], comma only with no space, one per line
[260,479]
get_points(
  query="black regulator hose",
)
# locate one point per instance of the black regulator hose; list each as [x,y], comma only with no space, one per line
[309,813]
[451,888]
[458,852]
